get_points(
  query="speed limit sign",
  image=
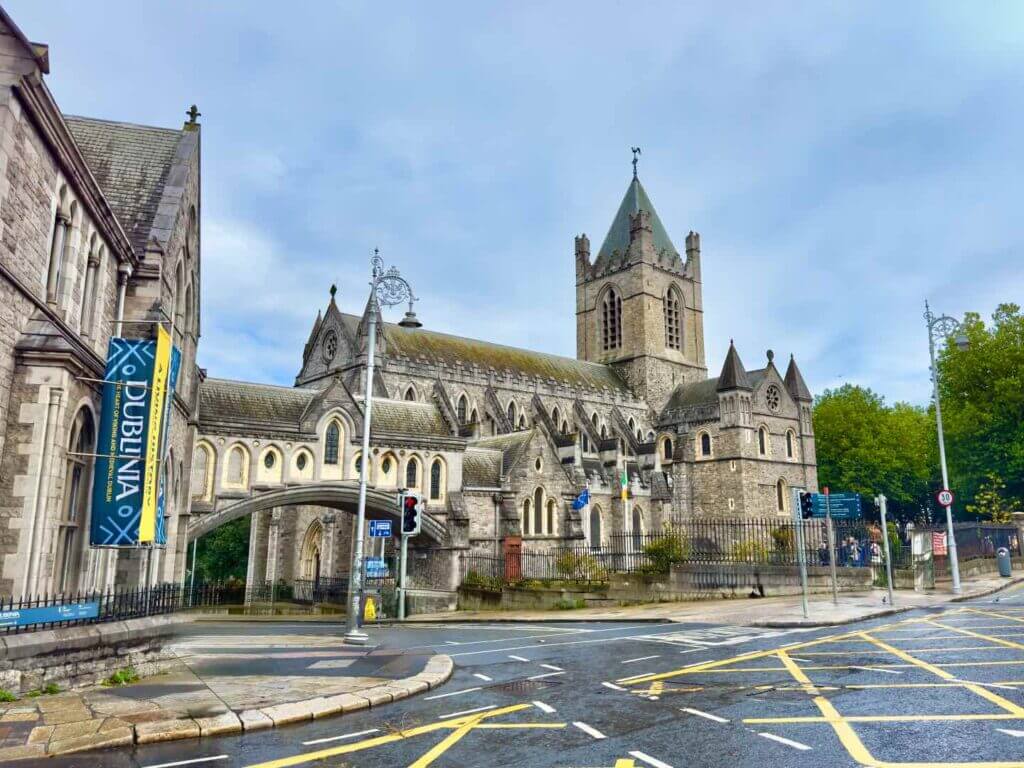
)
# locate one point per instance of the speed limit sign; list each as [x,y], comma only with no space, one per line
[945,497]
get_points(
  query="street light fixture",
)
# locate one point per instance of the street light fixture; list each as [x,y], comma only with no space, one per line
[387,288]
[942,327]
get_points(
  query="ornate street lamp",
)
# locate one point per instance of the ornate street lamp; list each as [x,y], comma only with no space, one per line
[387,288]
[941,328]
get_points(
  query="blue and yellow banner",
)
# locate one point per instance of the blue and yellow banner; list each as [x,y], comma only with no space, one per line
[127,510]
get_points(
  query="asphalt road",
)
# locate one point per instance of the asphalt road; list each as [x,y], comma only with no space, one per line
[938,687]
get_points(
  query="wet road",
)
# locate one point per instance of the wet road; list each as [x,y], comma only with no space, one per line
[940,687]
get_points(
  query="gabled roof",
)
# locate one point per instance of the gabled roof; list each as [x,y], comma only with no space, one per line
[132,164]
[406,417]
[511,446]
[450,350]
[617,239]
[696,393]
[481,468]
[734,375]
[242,402]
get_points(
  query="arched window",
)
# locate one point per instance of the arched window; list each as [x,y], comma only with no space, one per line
[586,442]
[705,445]
[332,442]
[555,416]
[673,319]
[462,409]
[436,473]
[202,463]
[302,465]
[593,420]
[638,529]
[595,526]
[510,411]
[790,445]
[762,441]
[473,418]
[237,467]
[538,512]
[551,517]
[76,501]
[410,394]
[92,263]
[412,473]
[522,421]
[667,449]
[526,518]
[59,244]
[611,320]
[357,465]
[639,436]
[270,467]
[780,495]
[604,432]
[565,427]
[388,476]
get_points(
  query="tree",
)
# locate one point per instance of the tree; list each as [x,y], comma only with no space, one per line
[990,501]
[223,553]
[867,447]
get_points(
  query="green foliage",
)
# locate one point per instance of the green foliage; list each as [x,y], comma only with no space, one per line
[868,447]
[50,689]
[7,696]
[568,605]
[982,390]
[664,551]
[474,579]
[575,566]
[749,552]
[782,537]
[223,554]
[895,542]
[991,501]
[124,676]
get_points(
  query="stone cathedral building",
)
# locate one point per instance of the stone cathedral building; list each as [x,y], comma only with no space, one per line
[100,236]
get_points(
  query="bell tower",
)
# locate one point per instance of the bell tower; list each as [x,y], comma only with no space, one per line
[638,303]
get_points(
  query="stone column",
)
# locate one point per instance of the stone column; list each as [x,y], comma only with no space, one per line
[88,297]
[43,484]
[328,521]
[273,536]
[56,256]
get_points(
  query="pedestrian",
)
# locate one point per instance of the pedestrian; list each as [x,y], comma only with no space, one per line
[876,554]
[854,553]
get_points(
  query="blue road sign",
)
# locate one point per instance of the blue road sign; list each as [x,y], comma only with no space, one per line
[20,617]
[380,529]
[376,567]
[842,506]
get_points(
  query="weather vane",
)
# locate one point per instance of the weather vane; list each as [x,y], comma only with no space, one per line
[636,153]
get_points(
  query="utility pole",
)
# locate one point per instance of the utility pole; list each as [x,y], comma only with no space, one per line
[881,501]
[831,547]
[801,553]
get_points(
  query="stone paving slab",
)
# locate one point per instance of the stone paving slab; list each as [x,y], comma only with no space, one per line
[192,702]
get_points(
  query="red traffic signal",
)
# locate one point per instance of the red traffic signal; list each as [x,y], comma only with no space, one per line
[412,509]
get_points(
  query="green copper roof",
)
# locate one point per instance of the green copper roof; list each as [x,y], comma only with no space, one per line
[617,238]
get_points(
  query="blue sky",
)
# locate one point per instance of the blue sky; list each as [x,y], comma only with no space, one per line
[841,164]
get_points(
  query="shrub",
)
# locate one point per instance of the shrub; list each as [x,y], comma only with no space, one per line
[749,552]
[51,689]
[663,552]
[474,579]
[6,696]
[783,539]
[124,676]
[574,566]
[568,605]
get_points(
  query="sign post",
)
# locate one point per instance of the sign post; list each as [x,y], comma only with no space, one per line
[831,547]
[801,552]
[881,500]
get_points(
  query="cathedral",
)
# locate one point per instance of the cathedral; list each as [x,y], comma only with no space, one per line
[100,226]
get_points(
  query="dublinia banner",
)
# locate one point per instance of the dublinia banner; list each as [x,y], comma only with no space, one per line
[128,485]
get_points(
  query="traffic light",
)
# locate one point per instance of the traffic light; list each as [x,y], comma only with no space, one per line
[412,510]
[806,505]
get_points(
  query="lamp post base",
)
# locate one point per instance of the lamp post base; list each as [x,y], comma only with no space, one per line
[355,637]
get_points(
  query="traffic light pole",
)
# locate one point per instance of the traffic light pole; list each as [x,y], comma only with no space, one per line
[401,576]
[801,552]
[885,546]
[831,548]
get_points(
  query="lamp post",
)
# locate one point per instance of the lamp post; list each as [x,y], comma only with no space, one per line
[387,288]
[942,327]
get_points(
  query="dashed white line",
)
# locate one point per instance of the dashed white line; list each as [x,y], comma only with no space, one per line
[453,693]
[642,658]
[335,738]
[589,730]
[546,674]
[517,658]
[649,760]
[1010,732]
[483,677]
[706,715]
[787,742]
[613,686]
[544,707]
[552,666]
[189,762]
[877,669]
[451,642]
[469,711]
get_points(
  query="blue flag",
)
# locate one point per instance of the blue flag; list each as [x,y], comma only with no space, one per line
[582,500]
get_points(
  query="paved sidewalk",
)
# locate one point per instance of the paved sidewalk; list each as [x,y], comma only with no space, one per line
[231,679]
[764,612]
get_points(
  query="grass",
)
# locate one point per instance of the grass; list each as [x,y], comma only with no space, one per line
[6,696]
[125,676]
[47,690]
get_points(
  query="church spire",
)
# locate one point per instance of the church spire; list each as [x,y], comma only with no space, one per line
[795,382]
[734,375]
[616,242]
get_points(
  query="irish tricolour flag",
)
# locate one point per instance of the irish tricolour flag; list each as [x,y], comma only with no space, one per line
[624,484]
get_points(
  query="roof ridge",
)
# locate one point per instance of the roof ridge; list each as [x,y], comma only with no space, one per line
[124,123]
[286,387]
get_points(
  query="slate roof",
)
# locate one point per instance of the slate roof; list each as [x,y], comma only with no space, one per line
[445,348]
[511,446]
[795,382]
[131,163]
[697,393]
[408,418]
[241,402]
[617,239]
[481,468]
[734,375]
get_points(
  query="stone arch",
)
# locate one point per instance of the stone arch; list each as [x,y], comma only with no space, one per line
[302,464]
[236,467]
[270,465]
[204,462]
[637,528]
[674,306]
[412,472]
[73,526]
[310,552]
[387,470]
[609,303]
[781,496]
[410,394]
[332,429]
[705,445]
[764,440]
[596,526]
[791,449]
[438,480]
[666,448]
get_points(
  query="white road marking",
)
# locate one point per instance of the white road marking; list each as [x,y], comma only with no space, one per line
[485,678]
[517,658]
[469,711]
[1008,732]
[552,666]
[642,658]
[189,762]
[706,715]
[453,693]
[339,738]
[590,731]
[451,642]
[544,707]
[876,669]
[552,631]
[649,760]
[787,742]
[613,686]
[329,663]
[552,645]
[546,674]
[985,685]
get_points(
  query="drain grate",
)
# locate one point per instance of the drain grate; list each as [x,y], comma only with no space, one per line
[522,686]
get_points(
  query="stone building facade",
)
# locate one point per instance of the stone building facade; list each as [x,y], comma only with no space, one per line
[99,235]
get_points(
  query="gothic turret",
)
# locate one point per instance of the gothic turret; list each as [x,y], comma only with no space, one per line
[795,383]
[734,375]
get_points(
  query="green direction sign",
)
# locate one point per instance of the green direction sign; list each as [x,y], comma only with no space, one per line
[842,506]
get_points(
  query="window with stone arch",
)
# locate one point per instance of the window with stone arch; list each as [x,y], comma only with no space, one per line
[595,527]
[357,465]
[667,449]
[510,411]
[236,470]
[302,465]
[673,318]
[790,444]
[332,443]
[611,320]
[462,409]
[75,512]
[555,416]
[762,441]
[538,513]
[526,518]
[522,421]
[270,467]
[387,476]
[410,394]
[550,517]
[437,479]
[412,473]
[638,529]
[60,243]
[780,496]
[565,427]
[202,471]
[473,418]
[704,445]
